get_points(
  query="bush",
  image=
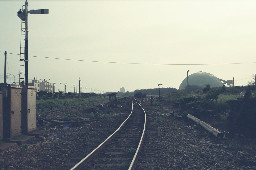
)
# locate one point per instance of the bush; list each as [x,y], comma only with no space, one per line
[222,98]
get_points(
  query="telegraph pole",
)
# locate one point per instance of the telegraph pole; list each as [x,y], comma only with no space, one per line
[255,80]
[233,81]
[5,58]
[79,87]
[187,77]
[159,89]
[19,78]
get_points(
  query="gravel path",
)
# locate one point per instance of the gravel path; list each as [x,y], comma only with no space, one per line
[174,143]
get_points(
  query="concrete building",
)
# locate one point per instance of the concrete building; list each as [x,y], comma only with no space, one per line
[122,90]
[42,86]
[46,86]
[36,84]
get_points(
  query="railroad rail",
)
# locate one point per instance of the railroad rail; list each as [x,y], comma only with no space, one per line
[206,126]
[119,150]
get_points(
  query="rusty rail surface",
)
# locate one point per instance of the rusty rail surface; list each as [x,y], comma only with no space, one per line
[206,126]
[109,138]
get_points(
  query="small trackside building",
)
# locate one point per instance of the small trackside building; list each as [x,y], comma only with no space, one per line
[11,117]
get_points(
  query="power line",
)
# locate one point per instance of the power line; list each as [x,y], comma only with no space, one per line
[139,63]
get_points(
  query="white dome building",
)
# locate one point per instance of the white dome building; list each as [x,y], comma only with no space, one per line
[201,79]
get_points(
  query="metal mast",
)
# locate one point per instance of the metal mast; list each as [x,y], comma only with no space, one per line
[26,43]
[23,15]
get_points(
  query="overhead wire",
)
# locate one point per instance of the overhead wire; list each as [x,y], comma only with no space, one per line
[115,62]
[139,63]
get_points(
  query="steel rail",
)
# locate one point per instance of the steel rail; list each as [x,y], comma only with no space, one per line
[141,140]
[206,126]
[104,142]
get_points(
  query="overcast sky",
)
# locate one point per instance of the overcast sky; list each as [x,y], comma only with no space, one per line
[152,33]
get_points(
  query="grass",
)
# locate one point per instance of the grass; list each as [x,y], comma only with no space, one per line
[59,104]
[109,117]
[224,115]
[222,98]
[160,119]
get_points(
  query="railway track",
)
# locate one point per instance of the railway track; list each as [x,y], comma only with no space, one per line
[120,150]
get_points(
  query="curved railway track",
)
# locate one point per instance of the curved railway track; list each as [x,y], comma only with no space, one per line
[121,148]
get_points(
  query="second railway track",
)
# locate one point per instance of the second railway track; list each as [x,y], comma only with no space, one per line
[121,148]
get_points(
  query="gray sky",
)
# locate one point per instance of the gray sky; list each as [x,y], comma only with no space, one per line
[150,32]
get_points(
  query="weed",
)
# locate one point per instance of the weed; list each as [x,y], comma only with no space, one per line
[224,115]
[222,98]
[130,151]
[160,119]
[44,106]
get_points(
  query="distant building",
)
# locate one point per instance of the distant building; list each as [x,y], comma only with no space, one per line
[42,86]
[122,90]
[46,86]
[36,84]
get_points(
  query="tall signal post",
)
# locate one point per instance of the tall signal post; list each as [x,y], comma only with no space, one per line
[23,15]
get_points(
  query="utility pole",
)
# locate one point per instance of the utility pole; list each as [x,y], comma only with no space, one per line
[19,77]
[65,88]
[5,58]
[159,89]
[79,87]
[255,80]
[233,81]
[187,77]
